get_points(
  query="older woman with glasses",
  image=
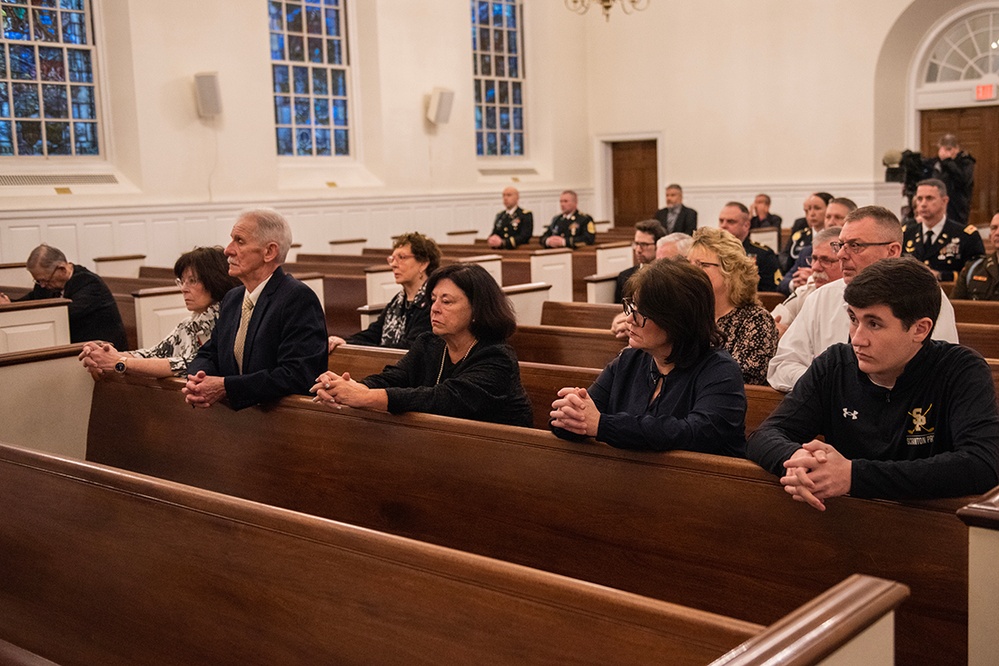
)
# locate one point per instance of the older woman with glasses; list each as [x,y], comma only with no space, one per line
[407,316]
[747,329]
[464,368]
[203,278]
[673,387]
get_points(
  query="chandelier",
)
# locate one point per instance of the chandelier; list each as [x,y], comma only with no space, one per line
[583,6]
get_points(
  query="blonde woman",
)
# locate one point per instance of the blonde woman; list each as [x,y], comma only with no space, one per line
[748,331]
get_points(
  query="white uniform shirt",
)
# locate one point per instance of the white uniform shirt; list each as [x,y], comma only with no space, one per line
[823,322]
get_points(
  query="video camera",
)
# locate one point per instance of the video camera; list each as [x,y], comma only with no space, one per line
[904,167]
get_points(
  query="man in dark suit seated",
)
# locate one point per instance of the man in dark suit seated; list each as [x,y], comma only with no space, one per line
[675,216]
[734,218]
[270,339]
[572,228]
[513,225]
[647,234]
[93,313]
[936,240]
[762,217]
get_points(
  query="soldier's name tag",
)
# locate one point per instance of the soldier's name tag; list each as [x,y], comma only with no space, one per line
[980,278]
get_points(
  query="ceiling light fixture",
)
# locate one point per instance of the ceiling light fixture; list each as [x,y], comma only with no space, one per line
[629,6]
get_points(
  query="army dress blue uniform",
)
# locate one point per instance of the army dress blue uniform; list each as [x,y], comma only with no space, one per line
[953,246]
[515,229]
[576,228]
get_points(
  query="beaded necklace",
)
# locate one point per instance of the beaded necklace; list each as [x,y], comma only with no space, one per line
[444,356]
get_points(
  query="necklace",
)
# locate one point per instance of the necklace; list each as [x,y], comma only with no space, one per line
[444,356]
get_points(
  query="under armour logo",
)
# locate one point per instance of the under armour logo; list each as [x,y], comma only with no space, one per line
[847,414]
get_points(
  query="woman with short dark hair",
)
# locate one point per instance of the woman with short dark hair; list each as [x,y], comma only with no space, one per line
[407,316]
[672,388]
[464,368]
[203,278]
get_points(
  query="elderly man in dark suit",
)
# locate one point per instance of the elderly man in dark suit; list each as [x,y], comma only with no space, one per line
[270,340]
[675,216]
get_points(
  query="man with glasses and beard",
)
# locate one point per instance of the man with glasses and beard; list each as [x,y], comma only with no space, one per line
[869,234]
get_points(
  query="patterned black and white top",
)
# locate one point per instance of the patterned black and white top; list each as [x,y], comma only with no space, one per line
[399,324]
[750,336]
[181,346]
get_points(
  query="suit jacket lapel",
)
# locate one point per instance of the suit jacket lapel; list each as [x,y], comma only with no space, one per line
[259,311]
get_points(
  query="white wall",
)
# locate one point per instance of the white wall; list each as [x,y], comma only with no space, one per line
[776,95]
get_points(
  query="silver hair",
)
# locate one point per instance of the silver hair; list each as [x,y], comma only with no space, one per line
[272,227]
[681,240]
[826,235]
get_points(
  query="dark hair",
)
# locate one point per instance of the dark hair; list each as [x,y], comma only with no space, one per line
[906,286]
[210,266]
[766,197]
[825,196]
[424,249]
[652,227]
[934,182]
[493,318]
[843,201]
[741,206]
[678,297]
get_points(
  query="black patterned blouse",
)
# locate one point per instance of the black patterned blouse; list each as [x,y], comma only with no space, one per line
[750,336]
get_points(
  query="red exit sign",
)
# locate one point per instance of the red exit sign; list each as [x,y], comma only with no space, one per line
[985,92]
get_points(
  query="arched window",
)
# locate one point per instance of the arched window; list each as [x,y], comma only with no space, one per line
[967,50]
[311,77]
[498,66]
[48,100]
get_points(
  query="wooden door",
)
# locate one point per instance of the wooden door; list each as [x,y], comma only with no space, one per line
[976,128]
[634,181]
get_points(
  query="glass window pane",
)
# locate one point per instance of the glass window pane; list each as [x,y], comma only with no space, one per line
[16,24]
[314,20]
[301,80]
[490,143]
[500,66]
[323,145]
[4,101]
[490,117]
[497,13]
[490,92]
[303,112]
[515,89]
[339,87]
[3,60]
[6,139]
[83,103]
[511,15]
[57,139]
[46,29]
[315,49]
[86,138]
[478,117]
[479,144]
[319,83]
[333,52]
[504,143]
[518,119]
[518,143]
[56,101]
[25,100]
[504,117]
[29,137]
[514,70]
[22,63]
[485,65]
[281,82]
[50,64]
[332,23]
[71,4]
[340,141]
[277,46]
[284,142]
[504,92]
[296,48]
[275,16]
[303,141]
[511,42]
[282,110]
[80,68]
[74,31]
[340,112]
[323,112]
[294,17]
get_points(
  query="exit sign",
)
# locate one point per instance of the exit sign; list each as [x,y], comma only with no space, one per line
[985,92]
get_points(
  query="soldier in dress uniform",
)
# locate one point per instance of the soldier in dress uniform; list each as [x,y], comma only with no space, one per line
[570,229]
[943,245]
[734,218]
[979,281]
[513,225]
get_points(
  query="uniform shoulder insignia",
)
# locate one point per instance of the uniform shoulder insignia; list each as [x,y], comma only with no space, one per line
[971,229]
[758,246]
[524,211]
[796,235]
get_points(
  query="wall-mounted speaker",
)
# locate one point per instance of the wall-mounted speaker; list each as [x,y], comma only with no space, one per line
[439,108]
[206,90]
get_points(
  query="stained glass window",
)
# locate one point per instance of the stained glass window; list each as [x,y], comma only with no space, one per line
[48,101]
[310,71]
[498,66]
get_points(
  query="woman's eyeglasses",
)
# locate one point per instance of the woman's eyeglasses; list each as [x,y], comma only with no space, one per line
[187,282]
[704,264]
[396,258]
[631,310]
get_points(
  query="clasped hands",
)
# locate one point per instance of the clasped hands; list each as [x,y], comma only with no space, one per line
[575,411]
[816,472]
[336,390]
[98,356]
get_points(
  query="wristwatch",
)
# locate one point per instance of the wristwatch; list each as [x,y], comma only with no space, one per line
[120,366]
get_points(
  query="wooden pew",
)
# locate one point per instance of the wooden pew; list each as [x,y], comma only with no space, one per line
[26,325]
[982,519]
[106,567]
[580,315]
[123,265]
[983,338]
[16,274]
[976,312]
[565,345]
[709,532]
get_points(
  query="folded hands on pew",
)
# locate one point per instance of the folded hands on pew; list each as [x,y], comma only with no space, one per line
[335,390]
[816,472]
[203,390]
[575,411]
[97,357]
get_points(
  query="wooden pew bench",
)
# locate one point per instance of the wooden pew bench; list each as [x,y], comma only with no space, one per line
[541,381]
[102,566]
[709,532]
[27,325]
[976,312]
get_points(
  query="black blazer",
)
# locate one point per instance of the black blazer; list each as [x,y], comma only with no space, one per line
[285,348]
[686,221]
